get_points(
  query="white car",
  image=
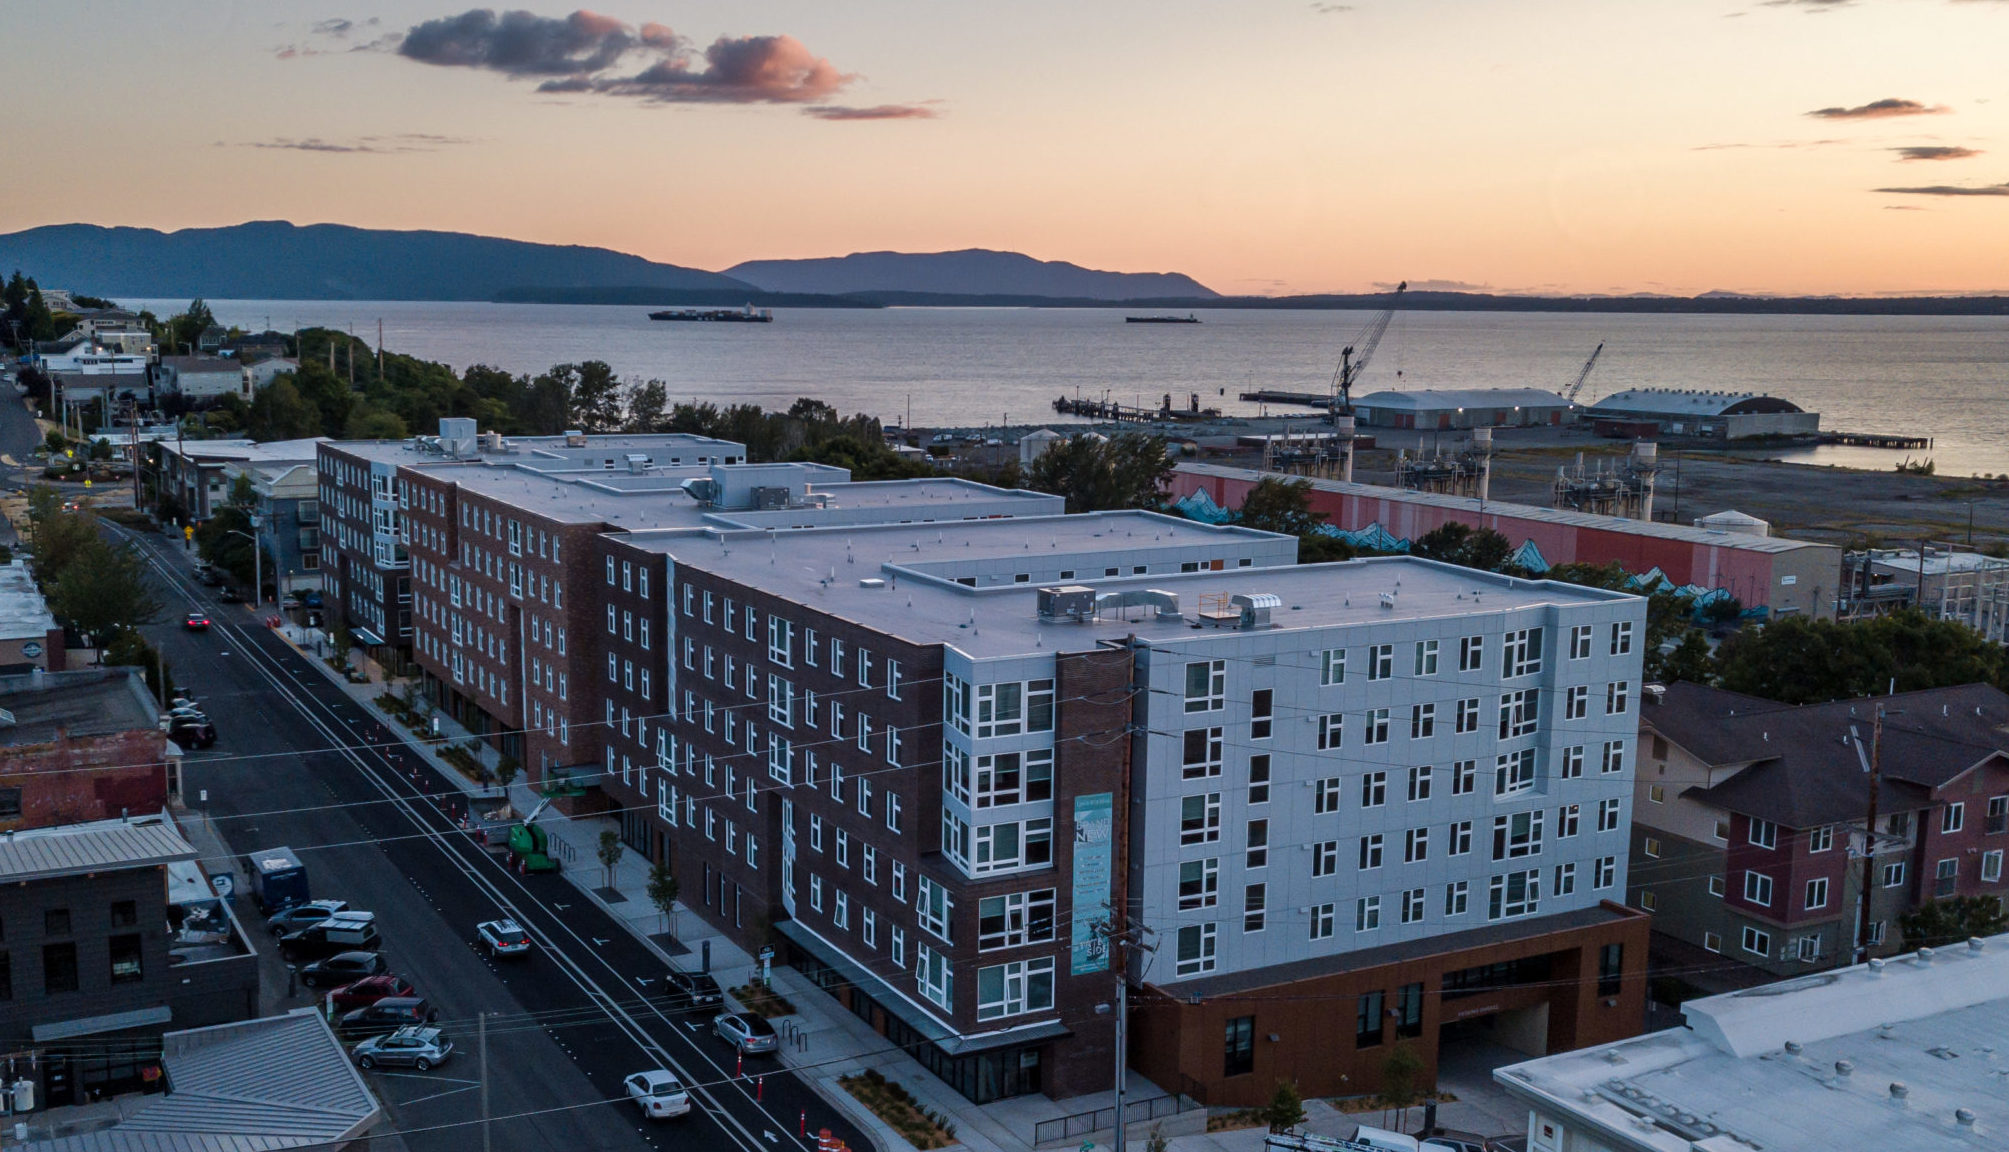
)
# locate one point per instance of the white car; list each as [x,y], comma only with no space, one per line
[660,1094]
[503,938]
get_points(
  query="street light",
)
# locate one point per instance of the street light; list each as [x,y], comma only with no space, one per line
[257,566]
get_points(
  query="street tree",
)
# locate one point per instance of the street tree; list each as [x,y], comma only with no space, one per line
[1401,1082]
[1285,1111]
[648,406]
[104,592]
[610,852]
[663,890]
[1096,475]
[1795,660]
[1952,920]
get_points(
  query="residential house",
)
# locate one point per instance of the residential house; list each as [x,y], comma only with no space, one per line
[1749,817]
[201,378]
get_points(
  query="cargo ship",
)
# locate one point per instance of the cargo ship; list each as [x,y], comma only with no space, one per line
[746,315]
[1188,318]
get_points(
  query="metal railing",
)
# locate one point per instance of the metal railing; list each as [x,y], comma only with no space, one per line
[1062,1129]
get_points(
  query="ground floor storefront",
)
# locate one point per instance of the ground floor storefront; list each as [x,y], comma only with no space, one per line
[1334,1026]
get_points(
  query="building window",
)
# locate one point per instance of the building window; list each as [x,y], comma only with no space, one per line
[1515,894]
[1764,833]
[1415,845]
[1332,667]
[1621,638]
[1758,889]
[125,959]
[1255,900]
[1991,866]
[1014,989]
[1422,721]
[1817,893]
[1580,642]
[1419,783]
[1259,779]
[1716,885]
[1331,729]
[1200,882]
[931,973]
[1206,685]
[1412,906]
[1514,772]
[1381,661]
[1516,835]
[1461,838]
[1607,814]
[1426,657]
[1464,777]
[1325,795]
[1374,789]
[1195,950]
[1893,874]
[1200,819]
[1953,817]
[1712,941]
[1367,914]
[1321,921]
[1576,705]
[1757,942]
[1566,879]
[1367,1020]
[1518,713]
[1567,817]
[1471,653]
[1606,872]
[56,922]
[1262,706]
[1202,756]
[1651,846]
[1457,896]
[1521,653]
[1258,844]
[1610,969]
[1325,857]
[59,968]
[1998,814]
[124,914]
[1377,726]
[1617,697]
[1240,1047]
[1657,793]
[1468,715]
[1946,877]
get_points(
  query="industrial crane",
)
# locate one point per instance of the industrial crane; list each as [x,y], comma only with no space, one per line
[1570,393]
[1351,367]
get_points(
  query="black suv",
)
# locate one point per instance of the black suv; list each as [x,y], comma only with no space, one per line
[692,989]
[343,968]
[386,1015]
[191,733]
[342,932]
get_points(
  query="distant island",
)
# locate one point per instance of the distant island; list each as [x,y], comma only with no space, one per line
[971,272]
[276,260]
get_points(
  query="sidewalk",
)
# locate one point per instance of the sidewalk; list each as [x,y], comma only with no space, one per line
[822,1041]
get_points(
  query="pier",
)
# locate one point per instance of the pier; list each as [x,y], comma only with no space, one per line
[1876,440]
[1271,396]
[1128,413]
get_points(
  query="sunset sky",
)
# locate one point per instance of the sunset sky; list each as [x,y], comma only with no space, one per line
[1261,146]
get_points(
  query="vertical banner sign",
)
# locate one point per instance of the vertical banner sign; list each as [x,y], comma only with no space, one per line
[1094,844]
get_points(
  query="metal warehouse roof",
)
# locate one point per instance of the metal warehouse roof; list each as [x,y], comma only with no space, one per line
[282,1082]
[1499,508]
[1691,402]
[101,845]
[1436,399]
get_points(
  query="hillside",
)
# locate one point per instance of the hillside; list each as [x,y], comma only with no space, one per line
[276,260]
[973,272]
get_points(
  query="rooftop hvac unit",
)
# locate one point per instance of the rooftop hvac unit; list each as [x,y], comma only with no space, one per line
[492,442]
[1255,608]
[638,462]
[574,438]
[1067,602]
[766,499]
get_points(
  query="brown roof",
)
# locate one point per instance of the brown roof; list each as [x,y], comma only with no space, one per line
[1804,770]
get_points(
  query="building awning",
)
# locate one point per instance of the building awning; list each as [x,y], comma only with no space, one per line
[93,1025]
[367,638]
[951,1042]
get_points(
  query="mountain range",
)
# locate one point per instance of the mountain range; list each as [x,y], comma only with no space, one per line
[970,272]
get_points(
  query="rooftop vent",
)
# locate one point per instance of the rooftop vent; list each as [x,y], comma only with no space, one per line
[1067,602]
[638,462]
[574,438]
[1255,608]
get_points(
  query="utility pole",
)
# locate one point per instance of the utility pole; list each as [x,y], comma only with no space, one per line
[1872,762]
[1120,942]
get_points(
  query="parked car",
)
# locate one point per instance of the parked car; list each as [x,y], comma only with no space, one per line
[304,915]
[692,989]
[369,990]
[1454,1142]
[417,1047]
[343,968]
[749,1033]
[1507,1144]
[209,576]
[196,622]
[342,932]
[191,733]
[230,595]
[660,1094]
[386,1015]
[311,599]
[502,938]
[1383,1140]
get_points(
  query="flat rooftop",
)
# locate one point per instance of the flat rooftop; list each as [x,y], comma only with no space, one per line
[1922,1042]
[24,614]
[96,846]
[825,568]
[1682,532]
[247,451]
[87,702]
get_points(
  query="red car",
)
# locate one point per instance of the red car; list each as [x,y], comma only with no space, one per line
[369,990]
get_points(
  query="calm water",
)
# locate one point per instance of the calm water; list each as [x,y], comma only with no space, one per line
[1945,377]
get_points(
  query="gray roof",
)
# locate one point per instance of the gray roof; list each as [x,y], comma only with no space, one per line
[1690,402]
[98,846]
[257,1086]
[24,613]
[1499,508]
[46,706]
[1727,1080]
[1439,399]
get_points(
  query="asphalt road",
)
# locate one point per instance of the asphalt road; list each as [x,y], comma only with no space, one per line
[298,764]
